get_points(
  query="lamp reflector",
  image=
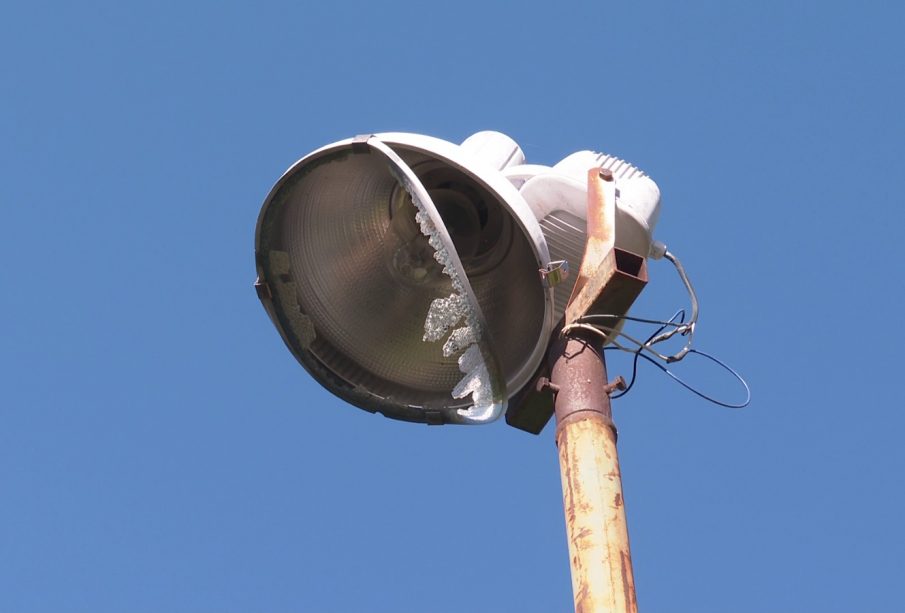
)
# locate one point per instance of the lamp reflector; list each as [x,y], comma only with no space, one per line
[402,272]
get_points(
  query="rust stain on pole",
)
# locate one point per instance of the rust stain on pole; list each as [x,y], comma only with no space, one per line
[599,552]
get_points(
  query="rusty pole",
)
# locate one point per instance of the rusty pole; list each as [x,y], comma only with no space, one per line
[592,485]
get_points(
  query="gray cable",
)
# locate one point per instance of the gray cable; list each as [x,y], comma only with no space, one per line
[685,329]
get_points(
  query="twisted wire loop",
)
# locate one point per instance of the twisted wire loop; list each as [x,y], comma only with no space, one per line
[645,349]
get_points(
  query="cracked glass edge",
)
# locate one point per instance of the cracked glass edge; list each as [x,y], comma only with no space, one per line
[476,362]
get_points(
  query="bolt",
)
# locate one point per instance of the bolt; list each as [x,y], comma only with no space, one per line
[617,384]
[545,385]
[606,174]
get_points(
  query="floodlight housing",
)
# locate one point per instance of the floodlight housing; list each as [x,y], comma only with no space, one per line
[558,198]
[414,277]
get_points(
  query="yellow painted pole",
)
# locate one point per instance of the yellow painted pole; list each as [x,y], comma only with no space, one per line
[599,554]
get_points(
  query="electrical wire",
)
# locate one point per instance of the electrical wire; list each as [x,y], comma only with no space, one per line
[611,334]
[642,320]
[687,329]
[733,372]
[680,314]
[684,329]
[666,331]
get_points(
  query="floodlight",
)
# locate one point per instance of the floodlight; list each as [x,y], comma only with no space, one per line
[430,282]
[418,278]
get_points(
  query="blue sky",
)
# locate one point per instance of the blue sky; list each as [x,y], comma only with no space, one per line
[160,450]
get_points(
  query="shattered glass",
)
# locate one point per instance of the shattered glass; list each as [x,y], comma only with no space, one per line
[449,312]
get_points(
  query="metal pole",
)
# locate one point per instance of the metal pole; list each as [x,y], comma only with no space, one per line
[592,485]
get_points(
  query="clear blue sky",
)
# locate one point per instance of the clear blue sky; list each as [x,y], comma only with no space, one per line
[160,450]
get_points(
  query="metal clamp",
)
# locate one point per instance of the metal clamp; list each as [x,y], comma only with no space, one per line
[554,273]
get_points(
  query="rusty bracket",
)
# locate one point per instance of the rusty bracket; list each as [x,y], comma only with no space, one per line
[360,143]
[609,281]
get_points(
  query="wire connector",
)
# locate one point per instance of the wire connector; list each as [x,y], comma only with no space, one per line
[657,250]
